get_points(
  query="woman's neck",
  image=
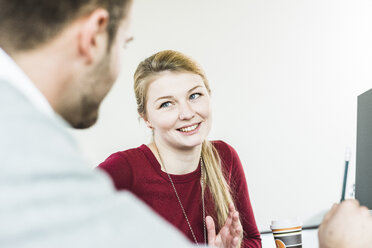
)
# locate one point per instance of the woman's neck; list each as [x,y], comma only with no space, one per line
[176,161]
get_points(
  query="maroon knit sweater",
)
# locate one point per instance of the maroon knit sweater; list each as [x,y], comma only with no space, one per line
[138,170]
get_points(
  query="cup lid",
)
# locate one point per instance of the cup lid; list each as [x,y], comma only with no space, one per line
[285,223]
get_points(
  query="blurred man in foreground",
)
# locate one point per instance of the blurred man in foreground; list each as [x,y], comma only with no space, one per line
[58,60]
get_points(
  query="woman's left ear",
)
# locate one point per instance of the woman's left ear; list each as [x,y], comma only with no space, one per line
[148,124]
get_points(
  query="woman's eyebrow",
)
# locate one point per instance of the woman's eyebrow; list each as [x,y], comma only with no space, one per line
[195,88]
[163,97]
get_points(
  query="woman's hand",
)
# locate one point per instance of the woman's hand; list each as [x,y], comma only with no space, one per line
[230,234]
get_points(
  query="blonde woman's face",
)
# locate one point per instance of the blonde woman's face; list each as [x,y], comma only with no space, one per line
[178,110]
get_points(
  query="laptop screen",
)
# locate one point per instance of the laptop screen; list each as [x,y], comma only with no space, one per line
[363,176]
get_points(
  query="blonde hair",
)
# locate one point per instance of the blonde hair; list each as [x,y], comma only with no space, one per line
[147,71]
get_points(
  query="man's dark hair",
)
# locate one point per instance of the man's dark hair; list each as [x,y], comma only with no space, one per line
[26,24]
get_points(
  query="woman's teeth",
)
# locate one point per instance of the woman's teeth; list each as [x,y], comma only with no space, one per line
[188,129]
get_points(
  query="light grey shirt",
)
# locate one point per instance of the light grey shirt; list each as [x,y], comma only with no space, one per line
[49,196]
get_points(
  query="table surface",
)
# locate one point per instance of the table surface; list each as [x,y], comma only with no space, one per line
[309,239]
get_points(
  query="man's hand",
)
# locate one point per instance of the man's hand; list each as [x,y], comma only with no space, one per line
[346,225]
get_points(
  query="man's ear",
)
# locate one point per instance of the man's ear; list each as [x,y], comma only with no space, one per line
[93,34]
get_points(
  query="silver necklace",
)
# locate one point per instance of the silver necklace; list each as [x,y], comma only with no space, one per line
[179,200]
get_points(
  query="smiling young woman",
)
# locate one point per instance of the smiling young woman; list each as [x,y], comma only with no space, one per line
[180,174]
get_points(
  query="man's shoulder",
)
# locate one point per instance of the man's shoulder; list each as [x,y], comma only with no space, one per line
[29,135]
[19,115]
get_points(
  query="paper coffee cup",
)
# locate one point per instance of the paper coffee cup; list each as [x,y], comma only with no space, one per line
[287,233]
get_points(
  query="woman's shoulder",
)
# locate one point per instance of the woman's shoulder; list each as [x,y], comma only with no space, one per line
[220,144]
[226,152]
[132,154]
[223,147]
[230,162]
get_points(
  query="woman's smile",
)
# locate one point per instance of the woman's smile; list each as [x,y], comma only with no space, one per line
[191,129]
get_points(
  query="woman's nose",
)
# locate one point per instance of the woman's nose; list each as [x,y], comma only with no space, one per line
[186,111]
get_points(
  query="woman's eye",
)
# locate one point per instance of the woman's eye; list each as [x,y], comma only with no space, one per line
[165,104]
[194,96]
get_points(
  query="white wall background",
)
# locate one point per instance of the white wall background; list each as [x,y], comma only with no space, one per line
[285,76]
